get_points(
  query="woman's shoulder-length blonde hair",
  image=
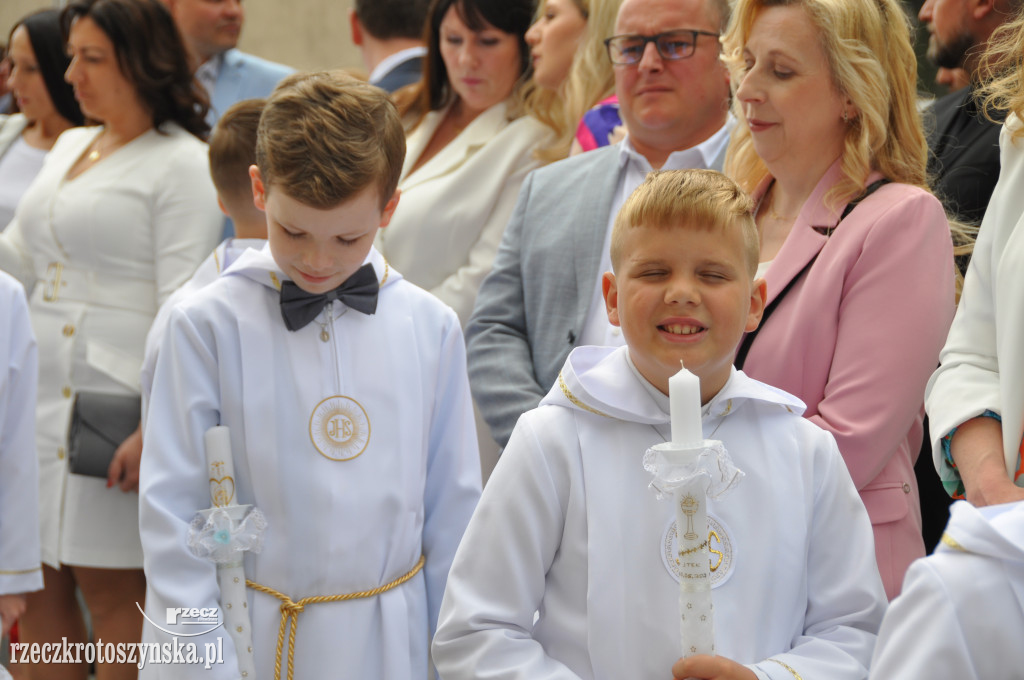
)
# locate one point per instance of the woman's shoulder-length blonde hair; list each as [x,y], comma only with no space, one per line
[868,47]
[1002,71]
[590,80]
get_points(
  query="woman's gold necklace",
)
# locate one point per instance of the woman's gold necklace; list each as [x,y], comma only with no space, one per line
[776,216]
[97,151]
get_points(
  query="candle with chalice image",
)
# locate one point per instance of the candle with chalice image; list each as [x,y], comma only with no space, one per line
[688,470]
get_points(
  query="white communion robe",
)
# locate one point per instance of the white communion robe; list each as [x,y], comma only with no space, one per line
[961,611]
[568,528]
[408,487]
[222,257]
[20,570]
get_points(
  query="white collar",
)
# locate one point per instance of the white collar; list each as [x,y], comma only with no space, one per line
[207,72]
[701,156]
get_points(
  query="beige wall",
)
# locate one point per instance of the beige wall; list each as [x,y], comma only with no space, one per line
[306,34]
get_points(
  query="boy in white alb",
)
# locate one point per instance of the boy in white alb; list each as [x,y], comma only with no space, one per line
[20,562]
[568,527]
[232,153]
[961,611]
[345,392]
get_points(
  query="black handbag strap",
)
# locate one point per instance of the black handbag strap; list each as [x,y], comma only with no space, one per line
[748,339]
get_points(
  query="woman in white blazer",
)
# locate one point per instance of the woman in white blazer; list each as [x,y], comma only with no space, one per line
[118,217]
[469,149]
[46,103]
[975,399]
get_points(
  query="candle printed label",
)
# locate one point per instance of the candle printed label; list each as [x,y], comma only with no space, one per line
[720,552]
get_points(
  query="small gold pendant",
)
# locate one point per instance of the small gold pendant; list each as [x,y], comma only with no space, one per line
[324,335]
[94,155]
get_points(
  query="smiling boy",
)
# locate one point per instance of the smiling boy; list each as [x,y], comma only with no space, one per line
[568,528]
[344,388]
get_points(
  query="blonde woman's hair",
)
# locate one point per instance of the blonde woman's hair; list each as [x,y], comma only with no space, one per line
[868,48]
[590,80]
[1002,71]
[688,199]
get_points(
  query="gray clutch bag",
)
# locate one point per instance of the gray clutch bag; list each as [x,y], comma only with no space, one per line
[99,424]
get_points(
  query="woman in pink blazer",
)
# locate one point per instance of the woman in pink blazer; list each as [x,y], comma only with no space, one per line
[855,250]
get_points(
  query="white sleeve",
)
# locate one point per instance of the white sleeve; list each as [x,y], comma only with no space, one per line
[922,636]
[453,468]
[174,486]
[187,223]
[966,384]
[846,600]
[20,569]
[498,578]
[15,258]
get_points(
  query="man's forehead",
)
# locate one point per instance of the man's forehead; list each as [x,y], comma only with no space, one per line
[655,16]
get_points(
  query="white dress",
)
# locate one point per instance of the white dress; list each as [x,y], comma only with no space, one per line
[19,515]
[567,527]
[961,612]
[445,232]
[99,253]
[359,450]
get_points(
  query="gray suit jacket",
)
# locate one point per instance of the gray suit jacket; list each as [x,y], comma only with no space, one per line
[531,308]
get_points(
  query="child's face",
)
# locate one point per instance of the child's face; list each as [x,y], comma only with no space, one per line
[319,249]
[683,294]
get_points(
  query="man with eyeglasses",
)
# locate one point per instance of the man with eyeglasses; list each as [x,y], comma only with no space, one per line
[543,296]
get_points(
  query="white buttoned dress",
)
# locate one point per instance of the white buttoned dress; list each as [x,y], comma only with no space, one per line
[99,253]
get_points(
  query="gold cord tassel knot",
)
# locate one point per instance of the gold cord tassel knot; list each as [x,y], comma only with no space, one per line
[290,611]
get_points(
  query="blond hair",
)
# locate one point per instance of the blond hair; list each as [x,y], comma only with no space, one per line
[324,137]
[868,48]
[1002,71]
[590,80]
[233,150]
[673,199]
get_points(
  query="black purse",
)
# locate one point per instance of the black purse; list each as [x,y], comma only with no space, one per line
[99,424]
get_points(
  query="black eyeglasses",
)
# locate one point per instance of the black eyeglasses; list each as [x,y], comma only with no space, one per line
[672,45]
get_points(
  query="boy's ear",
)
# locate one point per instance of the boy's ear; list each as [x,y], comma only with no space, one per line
[356,28]
[611,297]
[259,192]
[389,209]
[758,295]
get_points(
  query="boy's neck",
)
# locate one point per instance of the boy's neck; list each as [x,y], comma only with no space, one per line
[255,228]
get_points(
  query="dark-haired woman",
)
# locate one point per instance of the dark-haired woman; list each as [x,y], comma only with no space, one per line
[46,103]
[118,218]
[469,151]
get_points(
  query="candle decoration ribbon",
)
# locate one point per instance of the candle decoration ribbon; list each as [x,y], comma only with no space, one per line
[689,475]
[223,534]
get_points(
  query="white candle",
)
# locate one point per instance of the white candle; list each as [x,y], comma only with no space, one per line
[684,399]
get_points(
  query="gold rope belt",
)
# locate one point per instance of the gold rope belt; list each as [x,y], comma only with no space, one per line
[290,610]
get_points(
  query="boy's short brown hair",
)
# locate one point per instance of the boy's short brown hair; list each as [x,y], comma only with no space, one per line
[324,137]
[233,150]
[688,198]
